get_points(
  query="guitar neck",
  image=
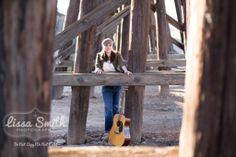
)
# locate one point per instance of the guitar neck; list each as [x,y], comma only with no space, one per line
[122,104]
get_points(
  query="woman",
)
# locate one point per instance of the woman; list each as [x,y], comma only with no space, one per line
[109,61]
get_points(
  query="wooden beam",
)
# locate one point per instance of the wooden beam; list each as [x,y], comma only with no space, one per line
[150,62]
[166,63]
[179,16]
[71,17]
[92,18]
[125,35]
[110,28]
[114,19]
[113,151]
[65,53]
[175,23]
[177,43]
[170,56]
[147,78]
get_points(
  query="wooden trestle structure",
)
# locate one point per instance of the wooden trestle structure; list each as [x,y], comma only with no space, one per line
[140,29]
[118,18]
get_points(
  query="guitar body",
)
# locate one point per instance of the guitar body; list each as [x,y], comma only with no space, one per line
[117,133]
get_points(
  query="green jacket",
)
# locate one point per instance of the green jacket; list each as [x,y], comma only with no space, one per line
[116,59]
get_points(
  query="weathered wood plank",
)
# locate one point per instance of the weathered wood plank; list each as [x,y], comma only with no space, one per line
[92,18]
[153,62]
[177,43]
[114,19]
[125,35]
[111,27]
[175,23]
[113,151]
[139,19]
[179,16]
[71,17]
[82,64]
[147,78]
[163,39]
[65,53]
[166,63]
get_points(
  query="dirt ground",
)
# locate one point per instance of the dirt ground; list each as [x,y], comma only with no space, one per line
[161,121]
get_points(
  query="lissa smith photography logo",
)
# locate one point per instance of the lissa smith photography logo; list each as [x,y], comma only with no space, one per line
[34,124]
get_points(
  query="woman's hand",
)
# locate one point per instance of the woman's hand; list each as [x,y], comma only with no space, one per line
[128,72]
[98,71]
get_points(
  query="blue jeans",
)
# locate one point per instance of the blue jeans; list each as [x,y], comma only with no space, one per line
[111,95]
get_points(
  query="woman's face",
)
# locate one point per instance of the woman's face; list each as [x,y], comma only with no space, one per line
[108,47]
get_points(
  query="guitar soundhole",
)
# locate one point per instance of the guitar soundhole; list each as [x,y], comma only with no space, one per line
[119,126]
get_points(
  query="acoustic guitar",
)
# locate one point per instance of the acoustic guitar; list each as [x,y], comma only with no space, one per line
[119,134]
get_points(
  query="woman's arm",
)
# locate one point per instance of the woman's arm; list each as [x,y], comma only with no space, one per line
[98,64]
[122,64]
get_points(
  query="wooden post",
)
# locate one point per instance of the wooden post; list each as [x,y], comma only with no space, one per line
[80,95]
[163,38]
[209,128]
[27,30]
[71,17]
[179,16]
[137,60]
[125,50]
[152,30]
[125,35]
[186,4]
[119,33]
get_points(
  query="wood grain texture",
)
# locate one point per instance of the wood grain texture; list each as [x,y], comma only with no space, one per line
[209,127]
[113,21]
[179,13]
[83,63]
[28,29]
[150,62]
[137,63]
[125,35]
[148,78]
[163,38]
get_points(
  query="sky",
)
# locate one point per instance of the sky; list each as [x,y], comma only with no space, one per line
[62,6]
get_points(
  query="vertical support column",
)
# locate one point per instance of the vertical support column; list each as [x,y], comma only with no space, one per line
[137,60]
[209,127]
[179,16]
[125,35]
[163,39]
[80,95]
[27,30]
[152,30]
